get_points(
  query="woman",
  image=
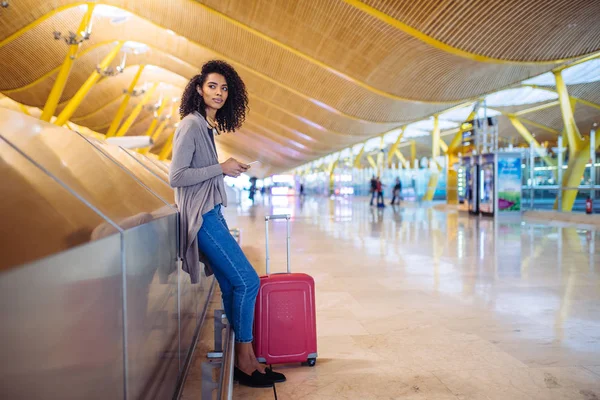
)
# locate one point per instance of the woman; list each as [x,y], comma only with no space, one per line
[216,100]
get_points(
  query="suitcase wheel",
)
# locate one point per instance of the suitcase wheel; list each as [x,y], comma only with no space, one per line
[311,362]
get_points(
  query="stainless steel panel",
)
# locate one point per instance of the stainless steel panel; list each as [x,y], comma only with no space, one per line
[151,293]
[84,169]
[193,298]
[62,329]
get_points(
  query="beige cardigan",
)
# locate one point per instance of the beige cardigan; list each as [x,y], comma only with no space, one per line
[197,177]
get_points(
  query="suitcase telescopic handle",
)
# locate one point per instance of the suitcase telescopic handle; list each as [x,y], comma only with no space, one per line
[270,217]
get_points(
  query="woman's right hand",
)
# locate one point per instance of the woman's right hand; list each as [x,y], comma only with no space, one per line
[233,167]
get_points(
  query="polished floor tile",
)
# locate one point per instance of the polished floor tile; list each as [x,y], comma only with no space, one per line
[418,303]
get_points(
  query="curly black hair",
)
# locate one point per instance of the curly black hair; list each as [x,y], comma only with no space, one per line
[233,113]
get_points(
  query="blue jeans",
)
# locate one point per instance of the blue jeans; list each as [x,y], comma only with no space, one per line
[238,280]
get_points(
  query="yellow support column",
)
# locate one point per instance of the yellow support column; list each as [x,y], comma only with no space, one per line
[159,112]
[159,130]
[162,126]
[150,130]
[372,162]
[74,103]
[123,107]
[573,176]
[435,153]
[403,160]
[524,132]
[65,69]
[393,149]
[330,171]
[167,148]
[136,111]
[358,157]
[24,109]
[443,146]
[578,155]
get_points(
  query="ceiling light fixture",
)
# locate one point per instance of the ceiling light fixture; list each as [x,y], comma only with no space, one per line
[110,71]
[135,48]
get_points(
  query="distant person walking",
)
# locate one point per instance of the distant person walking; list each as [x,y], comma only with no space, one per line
[379,189]
[397,191]
[373,189]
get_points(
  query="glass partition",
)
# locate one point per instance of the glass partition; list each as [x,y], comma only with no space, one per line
[164,166]
[155,167]
[39,216]
[145,175]
[84,169]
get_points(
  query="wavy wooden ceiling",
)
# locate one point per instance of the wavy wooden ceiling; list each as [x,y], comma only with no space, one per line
[322,75]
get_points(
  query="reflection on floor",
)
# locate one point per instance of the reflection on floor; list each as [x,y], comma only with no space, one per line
[414,303]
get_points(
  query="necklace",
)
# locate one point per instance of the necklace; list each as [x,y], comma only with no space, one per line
[212,124]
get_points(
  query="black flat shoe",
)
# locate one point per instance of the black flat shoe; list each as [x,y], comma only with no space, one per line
[256,380]
[274,376]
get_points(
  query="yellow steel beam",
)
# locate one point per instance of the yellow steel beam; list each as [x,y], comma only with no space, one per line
[155,134]
[159,130]
[538,125]
[587,103]
[114,125]
[413,153]
[358,157]
[157,115]
[579,153]
[572,132]
[435,138]
[573,98]
[136,111]
[394,147]
[431,186]
[161,127]
[330,171]
[537,108]
[38,21]
[96,111]
[24,109]
[68,111]
[372,162]
[437,43]
[435,153]
[221,56]
[577,62]
[167,147]
[524,132]
[443,146]
[403,160]
[574,173]
[57,69]
[65,69]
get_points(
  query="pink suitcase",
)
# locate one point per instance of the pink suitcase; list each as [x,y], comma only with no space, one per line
[285,326]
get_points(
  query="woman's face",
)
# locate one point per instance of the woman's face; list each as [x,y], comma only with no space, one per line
[214,91]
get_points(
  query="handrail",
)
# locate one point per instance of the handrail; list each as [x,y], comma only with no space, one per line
[557,187]
[226,377]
